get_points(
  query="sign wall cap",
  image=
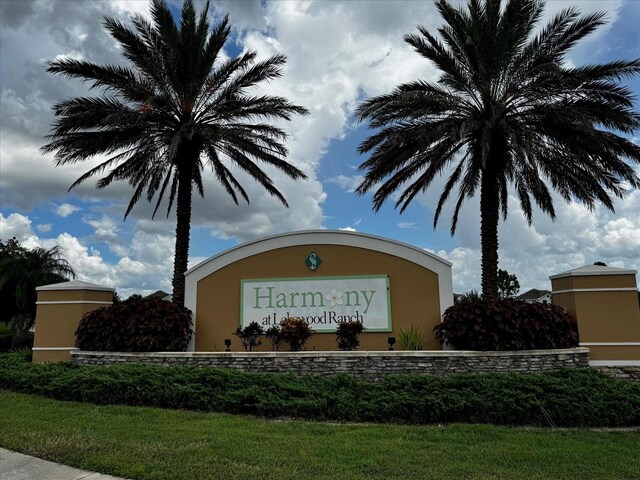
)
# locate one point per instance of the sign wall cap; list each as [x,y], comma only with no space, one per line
[75,285]
[593,270]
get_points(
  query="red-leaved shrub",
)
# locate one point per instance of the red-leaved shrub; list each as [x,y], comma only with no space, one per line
[142,326]
[507,324]
[295,331]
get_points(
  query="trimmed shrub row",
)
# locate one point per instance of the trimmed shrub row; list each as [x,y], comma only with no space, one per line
[576,398]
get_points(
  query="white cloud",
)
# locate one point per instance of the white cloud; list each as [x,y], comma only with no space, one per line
[578,237]
[406,225]
[105,227]
[87,262]
[44,227]
[66,209]
[18,226]
[348,183]
[348,229]
[145,267]
[338,52]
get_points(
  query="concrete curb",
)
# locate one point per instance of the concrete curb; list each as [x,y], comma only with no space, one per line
[16,466]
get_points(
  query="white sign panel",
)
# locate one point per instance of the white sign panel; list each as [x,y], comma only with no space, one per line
[324,302]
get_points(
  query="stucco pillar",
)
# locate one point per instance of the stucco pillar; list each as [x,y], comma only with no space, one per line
[604,302]
[59,309]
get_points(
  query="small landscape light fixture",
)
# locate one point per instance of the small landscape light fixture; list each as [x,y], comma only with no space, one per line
[391,341]
[227,343]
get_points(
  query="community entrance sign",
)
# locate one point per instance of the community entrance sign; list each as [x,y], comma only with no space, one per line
[326,277]
[324,302]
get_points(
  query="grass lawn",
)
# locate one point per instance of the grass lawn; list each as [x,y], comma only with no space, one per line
[151,443]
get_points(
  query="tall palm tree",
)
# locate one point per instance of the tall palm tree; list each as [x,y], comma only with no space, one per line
[507,112]
[21,271]
[179,108]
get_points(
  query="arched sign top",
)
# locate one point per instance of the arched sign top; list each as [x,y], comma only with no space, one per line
[320,237]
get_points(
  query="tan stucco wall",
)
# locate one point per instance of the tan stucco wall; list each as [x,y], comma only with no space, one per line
[74,295]
[603,316]
[40,356]
[594,281]
[606,352]
[414,293]
[608,316]
[56,324]
[566,301]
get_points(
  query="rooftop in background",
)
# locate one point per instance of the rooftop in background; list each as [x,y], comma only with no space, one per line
[533,294]
[161,294]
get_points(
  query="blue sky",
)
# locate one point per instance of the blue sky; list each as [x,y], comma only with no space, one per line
[338,53]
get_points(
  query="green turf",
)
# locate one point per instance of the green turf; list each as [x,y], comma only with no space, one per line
[149,443]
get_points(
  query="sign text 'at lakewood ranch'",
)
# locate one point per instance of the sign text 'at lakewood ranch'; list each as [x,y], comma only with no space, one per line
[324,302]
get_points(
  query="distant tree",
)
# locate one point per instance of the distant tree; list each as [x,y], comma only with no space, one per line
[508,285]
[21,271]
[601,264]
[469,296]
[116,298]
[136,297]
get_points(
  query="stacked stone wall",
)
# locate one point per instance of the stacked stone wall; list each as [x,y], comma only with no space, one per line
[626,373]
[370,365]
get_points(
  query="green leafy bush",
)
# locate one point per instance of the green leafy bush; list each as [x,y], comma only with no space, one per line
[507,324]
[295,331]
[410,339]
[142,326]
[348,333]
[571,398]
[250,336]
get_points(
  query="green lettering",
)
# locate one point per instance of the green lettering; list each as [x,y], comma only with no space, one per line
[367,299]
[356,303]
[281,300]
[260,297]
[293,296]
[312,296]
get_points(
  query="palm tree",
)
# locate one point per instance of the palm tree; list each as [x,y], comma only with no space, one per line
[21,271]
[179,108]
[506,113]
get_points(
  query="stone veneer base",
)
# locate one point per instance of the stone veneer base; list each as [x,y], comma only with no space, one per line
[370,365]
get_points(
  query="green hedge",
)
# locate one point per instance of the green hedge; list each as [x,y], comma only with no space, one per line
[571,398]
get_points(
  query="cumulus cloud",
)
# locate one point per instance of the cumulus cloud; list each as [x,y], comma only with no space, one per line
[146,266]
[44,227]
[338,52]
[348,183]
[18,226]
[535,252]
[66,209]
[406,225]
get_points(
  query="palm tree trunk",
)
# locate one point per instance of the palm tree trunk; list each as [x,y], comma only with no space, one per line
[183,225]
[489,213]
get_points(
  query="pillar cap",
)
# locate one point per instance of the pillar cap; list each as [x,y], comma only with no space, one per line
[74,285]
[593,270]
